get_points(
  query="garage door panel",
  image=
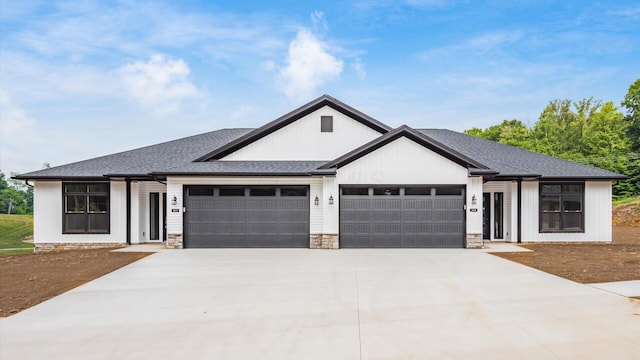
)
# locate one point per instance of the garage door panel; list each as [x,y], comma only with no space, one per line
[422,219]
[247,217]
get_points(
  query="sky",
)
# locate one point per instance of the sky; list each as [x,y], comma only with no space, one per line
[80,79]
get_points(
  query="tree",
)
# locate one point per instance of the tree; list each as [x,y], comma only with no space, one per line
[15,196]
[588,131]
[632,103]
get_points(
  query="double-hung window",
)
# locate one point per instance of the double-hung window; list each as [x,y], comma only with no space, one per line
[561,207]
[86,208]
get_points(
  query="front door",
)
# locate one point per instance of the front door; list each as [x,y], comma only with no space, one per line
[486,216]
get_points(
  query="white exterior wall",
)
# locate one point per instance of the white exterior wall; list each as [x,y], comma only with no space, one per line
[474,218]
[505,188]
[147,187]
[402,162]
[597,214]
[47,197]
[175,188]
[135,212]
[302,139]
[330,212]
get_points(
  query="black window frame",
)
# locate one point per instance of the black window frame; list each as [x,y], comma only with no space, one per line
[561,209]
[86,212]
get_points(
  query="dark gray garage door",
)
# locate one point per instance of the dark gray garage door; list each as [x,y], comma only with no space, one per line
[402,217]
[248,216]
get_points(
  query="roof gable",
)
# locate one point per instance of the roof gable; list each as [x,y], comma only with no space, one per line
[419,138]
[279,123]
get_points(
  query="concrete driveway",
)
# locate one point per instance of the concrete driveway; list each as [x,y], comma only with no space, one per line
[346,304]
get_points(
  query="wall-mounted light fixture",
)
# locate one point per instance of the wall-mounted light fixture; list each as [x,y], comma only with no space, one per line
[316,201]
[174,200]
[474,200]
[330,199]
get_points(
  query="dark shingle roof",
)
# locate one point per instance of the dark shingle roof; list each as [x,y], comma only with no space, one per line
[513,161]
[143,160]
[177,157]
[246,168]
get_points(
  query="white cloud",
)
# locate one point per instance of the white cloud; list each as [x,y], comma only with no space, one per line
[159,84]
[16,135]
[359,68]
[319,22]
[14,121]
[309,64]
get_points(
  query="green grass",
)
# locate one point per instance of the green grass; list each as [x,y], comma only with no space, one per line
[625,200]
[14,228]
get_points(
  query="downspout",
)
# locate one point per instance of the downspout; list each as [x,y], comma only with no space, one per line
[128,182]
[519,210]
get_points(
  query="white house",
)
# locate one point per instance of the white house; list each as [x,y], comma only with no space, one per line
[322,176]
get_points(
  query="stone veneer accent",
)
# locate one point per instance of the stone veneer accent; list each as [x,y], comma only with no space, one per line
[174,241]
[46,247]
[474,241]
[323,241]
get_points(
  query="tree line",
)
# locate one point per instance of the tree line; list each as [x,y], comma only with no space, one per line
[16,197]
[588,131]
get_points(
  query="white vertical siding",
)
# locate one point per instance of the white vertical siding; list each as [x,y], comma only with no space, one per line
[331,221]
[474,218]
[402,162]
[302,139]
[505,188]
[514,211]
[175,188]
[48,215]
[135,210]
[597,214]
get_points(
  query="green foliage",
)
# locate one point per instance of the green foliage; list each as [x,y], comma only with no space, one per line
[587,131]
[632,103]
[626,200]
[14,228]
[15,196]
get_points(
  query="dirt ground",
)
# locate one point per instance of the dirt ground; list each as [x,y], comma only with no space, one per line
[587,263]
[29,279]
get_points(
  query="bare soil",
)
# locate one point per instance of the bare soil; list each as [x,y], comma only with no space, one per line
[29,279]
[592,263]
[587,263]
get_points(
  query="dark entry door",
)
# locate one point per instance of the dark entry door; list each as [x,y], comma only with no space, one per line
[486,216]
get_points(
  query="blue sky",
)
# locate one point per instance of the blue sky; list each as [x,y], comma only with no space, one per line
[79,79]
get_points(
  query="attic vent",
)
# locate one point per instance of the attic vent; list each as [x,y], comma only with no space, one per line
[326,123]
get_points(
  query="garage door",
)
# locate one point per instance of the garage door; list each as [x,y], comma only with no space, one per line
[248,216]
[402,217]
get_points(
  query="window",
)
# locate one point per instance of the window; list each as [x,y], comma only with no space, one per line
[417,191]
[362,191]
[326,123]
[231,191]
[86,208]
[262,192]
[561,207]
[295,191]
[386,191]
[498,213]
[200,191]
[444,191]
